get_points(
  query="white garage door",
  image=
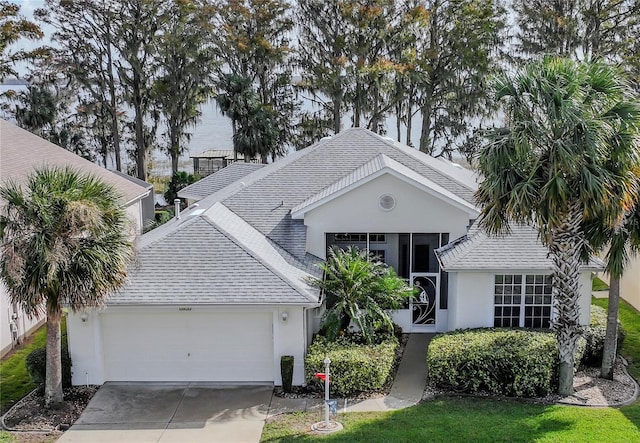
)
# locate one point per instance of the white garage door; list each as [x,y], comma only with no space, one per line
[188,346]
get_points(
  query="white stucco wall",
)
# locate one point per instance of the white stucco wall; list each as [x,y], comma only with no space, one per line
[471,298]
[86,339]
[25,324]
[134,214]
[358,211]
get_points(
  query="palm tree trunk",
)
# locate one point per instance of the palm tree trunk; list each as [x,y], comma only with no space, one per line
[611,336]
[53,381]
[566,241]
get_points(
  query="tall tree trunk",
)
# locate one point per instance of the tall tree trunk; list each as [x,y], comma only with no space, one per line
[53,397]
[566,241]
[611,336]
[115,130]
[141,148]
[425,140]
[337,120]
[399,122]
[174,149]
[409,141]
[357,104]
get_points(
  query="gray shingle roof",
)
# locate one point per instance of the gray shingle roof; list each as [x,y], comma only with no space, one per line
[519,250]
[21,152]
[269,194]
[197,262]
[218,180]
[241,245]
[370,170]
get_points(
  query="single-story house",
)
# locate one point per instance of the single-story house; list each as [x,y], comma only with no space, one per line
[21,152]
[221,292]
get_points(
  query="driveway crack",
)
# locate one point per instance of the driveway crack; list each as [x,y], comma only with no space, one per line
[184,393]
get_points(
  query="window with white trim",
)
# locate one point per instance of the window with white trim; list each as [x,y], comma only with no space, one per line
[522,300]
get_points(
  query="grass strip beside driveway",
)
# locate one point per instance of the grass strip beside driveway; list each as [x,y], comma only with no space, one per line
[14,378]
[15,382]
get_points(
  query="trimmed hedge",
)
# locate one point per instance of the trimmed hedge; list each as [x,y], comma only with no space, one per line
[496,361]
[594,336]
[354,367]
[36,363]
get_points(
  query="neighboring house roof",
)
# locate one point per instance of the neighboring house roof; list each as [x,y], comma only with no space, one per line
[240,244]
[135,180]
[379,165]
[217,153]
[519,250]
[218,180]
[21,152]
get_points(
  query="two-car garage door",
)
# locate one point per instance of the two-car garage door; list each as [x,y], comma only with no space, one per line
[188,346]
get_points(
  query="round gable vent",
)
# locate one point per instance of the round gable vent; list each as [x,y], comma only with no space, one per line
[387,202]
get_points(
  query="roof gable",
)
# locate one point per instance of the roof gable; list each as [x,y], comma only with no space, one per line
[266,197]
[201,263]
[379,165]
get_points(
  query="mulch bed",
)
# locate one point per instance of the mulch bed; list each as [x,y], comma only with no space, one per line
[31,415]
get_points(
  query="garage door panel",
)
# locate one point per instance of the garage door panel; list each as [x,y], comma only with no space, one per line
[188,346]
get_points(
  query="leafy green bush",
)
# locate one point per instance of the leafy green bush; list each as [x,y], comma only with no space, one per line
[594,336]
[360,290]
[496,361]
[36,363]
[354,367]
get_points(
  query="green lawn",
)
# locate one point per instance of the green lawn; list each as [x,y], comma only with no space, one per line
[15,382]
[481,420]
[599,285]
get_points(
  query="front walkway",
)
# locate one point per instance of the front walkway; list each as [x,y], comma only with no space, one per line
[406,390]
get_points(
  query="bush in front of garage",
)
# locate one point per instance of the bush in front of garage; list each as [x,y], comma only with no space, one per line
[507,362]
[36,363]
[355,367]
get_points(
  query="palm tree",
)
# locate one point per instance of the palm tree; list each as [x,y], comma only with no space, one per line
[565,154]
[235,100]
[623,240]
[361,289]
[64,243]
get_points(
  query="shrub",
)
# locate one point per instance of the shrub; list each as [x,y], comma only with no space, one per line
[360,290]
[354,367]
[594,336]
[499,362]
[286,372]
[36,363]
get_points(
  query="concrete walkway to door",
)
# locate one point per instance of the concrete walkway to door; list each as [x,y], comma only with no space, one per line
[407,388]
[172,412]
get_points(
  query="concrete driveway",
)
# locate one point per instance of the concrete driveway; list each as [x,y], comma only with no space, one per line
[172,412]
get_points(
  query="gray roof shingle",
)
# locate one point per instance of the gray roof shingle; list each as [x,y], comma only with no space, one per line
[269,194]
[200,263]
[519,250]
[218,180]
[240,244]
